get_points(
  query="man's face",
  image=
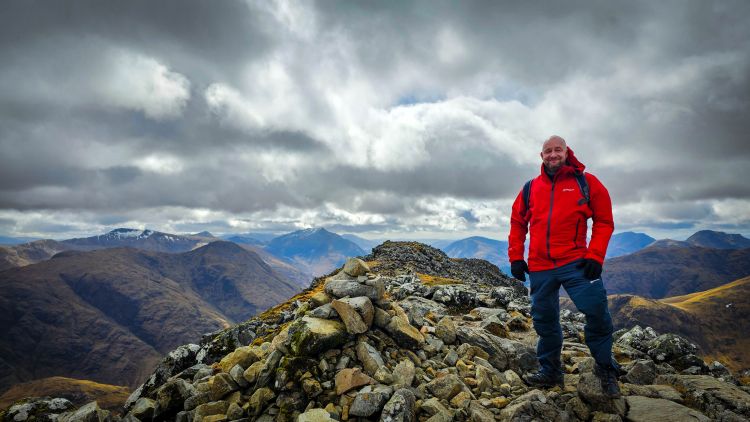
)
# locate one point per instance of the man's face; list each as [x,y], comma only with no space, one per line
[554,153]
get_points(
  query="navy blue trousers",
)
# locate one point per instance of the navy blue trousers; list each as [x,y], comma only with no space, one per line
[589,297]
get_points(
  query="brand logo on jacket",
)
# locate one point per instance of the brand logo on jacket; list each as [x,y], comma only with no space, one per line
[568,190]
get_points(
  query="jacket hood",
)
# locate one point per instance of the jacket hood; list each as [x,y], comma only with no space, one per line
[571,163]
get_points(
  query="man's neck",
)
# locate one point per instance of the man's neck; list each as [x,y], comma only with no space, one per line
[551,173]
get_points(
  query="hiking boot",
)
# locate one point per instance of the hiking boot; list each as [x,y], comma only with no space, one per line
[540,379]
[608,379]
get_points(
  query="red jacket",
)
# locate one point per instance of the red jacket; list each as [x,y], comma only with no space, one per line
[558,225]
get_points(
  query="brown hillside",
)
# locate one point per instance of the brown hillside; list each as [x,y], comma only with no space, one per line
[716,320]
[109,315]
[79,392]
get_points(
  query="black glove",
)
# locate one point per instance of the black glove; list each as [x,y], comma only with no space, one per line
[592,269]
[518,268]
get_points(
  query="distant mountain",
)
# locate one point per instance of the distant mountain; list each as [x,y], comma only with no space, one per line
[718,240]
[662,271]
[627,242]
[257,236]
[282,266]
[6,240]
[142,239]
[365,244]
[712,319]
[314,251]
[109,315]
[494,251]
[244,240]
[29,253]
[203,234]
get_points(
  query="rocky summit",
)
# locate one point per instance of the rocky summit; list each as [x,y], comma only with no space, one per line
[408,334]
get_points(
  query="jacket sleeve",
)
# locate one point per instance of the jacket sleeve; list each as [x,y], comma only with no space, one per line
[604,224]
[519,226]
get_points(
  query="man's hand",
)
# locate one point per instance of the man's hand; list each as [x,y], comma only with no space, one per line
[518,268]
[592,269]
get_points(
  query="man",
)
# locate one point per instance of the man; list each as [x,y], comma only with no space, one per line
[556,217]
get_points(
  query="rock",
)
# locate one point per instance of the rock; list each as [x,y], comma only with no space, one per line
[644,409]
[446,330]
[451,358]
[432,406]
[403,373]
[352,319]
[370,357]
[605,417]
[576,407]
[642,372]
[364,307]
[637,338]
[143,409]
[418,307]
[495,327]
[319,299]
[324,311]
[220,385]
[310,336]
[196,400]
[404,333]
[349,378]
[38,409]
[235,412]
[461,400]
[710,395]
[503,353]
[251,373]
[590,390]
[383,376]
[343,288]
[479,413]
[209,409]
[400,408]
[531,406]
[90,412]
[355,267]
[311,387]
[669,348]
[243,356]
[237,374]
[258,400]
[170,398]
[666,392]
[368,403]
[487,313]
[446,387]
[315,415]
[382,318]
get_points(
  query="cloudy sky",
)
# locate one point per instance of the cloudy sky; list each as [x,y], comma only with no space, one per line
[386,119]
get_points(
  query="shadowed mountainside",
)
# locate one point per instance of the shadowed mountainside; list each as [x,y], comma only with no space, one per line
[108,315]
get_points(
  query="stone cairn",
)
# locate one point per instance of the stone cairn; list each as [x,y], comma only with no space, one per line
[397,346]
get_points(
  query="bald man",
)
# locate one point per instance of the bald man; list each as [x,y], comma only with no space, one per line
[554,208]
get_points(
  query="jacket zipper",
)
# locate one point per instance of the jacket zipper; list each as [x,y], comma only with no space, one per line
[549,221]
[575,237]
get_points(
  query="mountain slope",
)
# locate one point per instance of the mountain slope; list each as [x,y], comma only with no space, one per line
[713,319]
[718,240]
[148,240]
[108,315]
[657,272]
[29,253]
[314,251]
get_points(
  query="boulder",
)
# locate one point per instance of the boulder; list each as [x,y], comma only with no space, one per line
[713,397]
[243,356]
[310,336]
[503,353]
[90,412]
[590,390]
[349,378]
[370,357]
[400,407]
[404,333]
[315,415]
[645,409]
[343,288]
[531,406]
[352,319]
[355,267]
[446,387]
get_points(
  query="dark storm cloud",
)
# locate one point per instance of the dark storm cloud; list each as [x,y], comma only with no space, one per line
[664,83]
